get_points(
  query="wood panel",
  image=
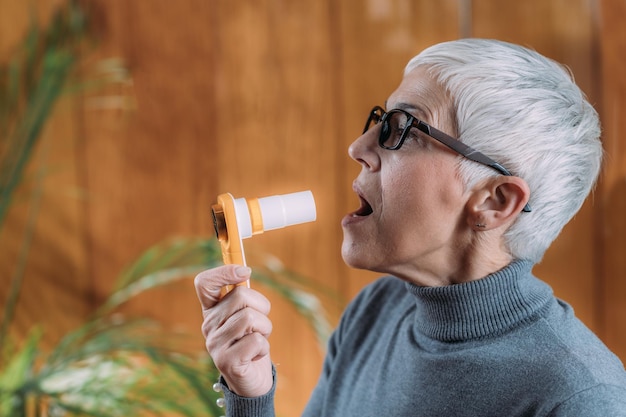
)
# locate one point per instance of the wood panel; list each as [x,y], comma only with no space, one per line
[263,97]
[611,196]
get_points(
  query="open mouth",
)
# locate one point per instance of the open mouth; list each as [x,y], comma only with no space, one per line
[364,210]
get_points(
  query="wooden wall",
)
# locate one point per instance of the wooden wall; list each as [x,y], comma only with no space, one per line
[262,97]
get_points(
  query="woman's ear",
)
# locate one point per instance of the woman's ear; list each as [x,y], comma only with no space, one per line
[496,202]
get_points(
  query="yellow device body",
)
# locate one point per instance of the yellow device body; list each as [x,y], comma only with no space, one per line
[227,231]
[238,219]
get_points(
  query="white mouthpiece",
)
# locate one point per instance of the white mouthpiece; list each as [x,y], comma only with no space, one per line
[288,209]
[277,211]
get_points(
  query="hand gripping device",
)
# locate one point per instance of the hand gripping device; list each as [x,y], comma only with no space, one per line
[236,219]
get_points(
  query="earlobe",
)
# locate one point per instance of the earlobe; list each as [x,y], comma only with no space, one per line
[497,202]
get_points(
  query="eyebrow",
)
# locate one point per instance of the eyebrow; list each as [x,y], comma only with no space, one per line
[417,112]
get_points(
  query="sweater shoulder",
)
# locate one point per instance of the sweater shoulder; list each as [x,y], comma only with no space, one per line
[378,294]
[580,353]
[380,301]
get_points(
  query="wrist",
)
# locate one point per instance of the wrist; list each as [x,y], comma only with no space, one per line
[242,406]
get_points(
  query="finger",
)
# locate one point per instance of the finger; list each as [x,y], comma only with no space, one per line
[209,283]
[250,378]
[221,327]
[247,321]
[235,359]
[251,348]
[239,299]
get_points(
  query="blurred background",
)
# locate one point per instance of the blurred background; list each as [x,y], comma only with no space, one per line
[181,101]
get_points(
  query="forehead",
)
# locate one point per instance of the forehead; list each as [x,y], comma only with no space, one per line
[421,95]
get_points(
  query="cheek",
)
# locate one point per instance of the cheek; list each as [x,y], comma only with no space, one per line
[405,207]
[422,193]
[406,187]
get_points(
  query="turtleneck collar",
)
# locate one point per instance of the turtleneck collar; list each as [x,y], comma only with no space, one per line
[482,308]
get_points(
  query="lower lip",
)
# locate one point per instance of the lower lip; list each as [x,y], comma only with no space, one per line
[351,219]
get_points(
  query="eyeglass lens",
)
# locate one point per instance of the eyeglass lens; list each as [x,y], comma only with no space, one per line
[395,125]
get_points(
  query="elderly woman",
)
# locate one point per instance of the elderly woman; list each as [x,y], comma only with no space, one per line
[468,172]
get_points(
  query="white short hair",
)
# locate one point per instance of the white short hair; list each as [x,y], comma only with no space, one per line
[524,111]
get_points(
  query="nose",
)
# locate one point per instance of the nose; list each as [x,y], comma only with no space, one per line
[364,150]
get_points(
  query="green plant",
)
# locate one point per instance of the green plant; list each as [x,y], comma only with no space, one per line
[116,367]
[30,84]
[41,70]
[110,365]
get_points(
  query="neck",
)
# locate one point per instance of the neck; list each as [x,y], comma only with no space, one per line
[455,266]
[480,308]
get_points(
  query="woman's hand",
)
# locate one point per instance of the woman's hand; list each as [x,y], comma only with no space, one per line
[236,329]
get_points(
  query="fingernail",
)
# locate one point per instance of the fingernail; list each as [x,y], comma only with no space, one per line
[243,271]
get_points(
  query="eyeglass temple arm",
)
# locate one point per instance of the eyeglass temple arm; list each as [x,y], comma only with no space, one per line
[466,151]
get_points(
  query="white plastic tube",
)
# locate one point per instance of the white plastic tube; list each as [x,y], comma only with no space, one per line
[276,212]
[288,209]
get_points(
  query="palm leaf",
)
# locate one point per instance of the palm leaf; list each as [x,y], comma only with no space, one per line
[113,367]
[32,83]
[171,261]
[163,264]
[29,86]
[16,375]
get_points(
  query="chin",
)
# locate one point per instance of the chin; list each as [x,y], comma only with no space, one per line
[350,255]
[355,257]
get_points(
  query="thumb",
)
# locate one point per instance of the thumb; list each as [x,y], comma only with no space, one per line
[210,282]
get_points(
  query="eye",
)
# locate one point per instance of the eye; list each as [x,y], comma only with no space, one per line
[418,137]
[392,129]
[413,134]
[398,122]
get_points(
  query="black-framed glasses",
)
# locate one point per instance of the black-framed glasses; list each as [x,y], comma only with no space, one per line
[395,127]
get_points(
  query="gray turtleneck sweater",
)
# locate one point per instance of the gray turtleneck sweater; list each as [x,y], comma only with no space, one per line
[499,346]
